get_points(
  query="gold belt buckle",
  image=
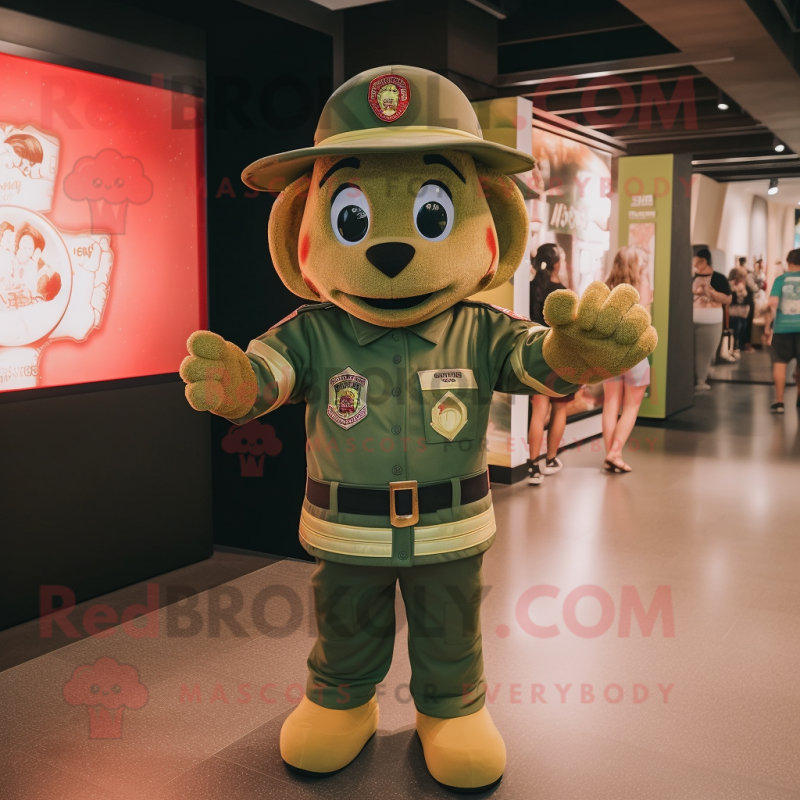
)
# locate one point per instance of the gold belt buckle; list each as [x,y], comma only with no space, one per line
[403,520]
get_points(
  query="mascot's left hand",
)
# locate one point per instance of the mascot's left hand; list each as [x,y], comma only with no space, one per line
[601,336]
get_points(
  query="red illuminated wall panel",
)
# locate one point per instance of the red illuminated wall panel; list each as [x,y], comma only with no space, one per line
[102,242]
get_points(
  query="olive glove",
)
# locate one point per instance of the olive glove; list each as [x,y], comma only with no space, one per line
[600,336]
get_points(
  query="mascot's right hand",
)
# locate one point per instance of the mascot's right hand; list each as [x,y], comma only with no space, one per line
[218,375]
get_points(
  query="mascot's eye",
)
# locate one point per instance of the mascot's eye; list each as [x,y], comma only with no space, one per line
[433,211]
[350,214]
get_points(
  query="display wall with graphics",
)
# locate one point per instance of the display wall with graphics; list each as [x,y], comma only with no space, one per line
[654,216]
[572,211]
[102,250]
[107,476]
[569,200]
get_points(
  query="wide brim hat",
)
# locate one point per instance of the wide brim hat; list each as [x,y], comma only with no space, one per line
[394,109]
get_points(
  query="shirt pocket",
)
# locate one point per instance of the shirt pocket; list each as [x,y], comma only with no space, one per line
[449,405]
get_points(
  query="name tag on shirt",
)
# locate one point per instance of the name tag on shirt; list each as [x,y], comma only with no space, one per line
[447,379]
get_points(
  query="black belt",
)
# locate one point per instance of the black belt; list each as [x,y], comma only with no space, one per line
[402,495]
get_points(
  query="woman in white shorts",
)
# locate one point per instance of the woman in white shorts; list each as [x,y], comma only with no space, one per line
[624,394]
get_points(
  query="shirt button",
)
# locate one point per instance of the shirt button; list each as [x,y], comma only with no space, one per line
[396,392]
[396,429]
[397,359]
[397,470]
[397,336]
[402,555]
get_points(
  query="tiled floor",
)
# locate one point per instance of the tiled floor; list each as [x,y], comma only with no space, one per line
[707,523]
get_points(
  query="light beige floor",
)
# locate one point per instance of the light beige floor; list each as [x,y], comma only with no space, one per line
[752,367]
[711,514]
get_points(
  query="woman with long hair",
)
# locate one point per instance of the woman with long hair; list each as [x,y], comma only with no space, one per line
[547,265]
[623,395]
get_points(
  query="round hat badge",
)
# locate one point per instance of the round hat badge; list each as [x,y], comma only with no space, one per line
[389,96]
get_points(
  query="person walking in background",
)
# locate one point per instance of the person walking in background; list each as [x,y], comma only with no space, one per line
[547,265]
[623,395]
[782,327]
[711,292]
[741,309]
[760,275]
[752,286]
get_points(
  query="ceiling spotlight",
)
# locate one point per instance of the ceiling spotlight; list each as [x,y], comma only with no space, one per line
[773,186]
[722,102]
[780,147]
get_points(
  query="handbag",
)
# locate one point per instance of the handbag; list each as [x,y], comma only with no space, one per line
[726,346]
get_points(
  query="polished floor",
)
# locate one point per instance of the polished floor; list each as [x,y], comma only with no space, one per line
[598,698]
[24,642]
[752,367]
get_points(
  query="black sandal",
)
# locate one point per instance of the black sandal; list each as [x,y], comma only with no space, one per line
[776,408]
[615,469]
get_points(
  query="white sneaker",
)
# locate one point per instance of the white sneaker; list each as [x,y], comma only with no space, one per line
[551,466]
[702,387]
[535,476]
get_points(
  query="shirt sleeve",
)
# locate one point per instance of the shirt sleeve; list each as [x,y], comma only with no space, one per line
[515,349]
[719,283]
[777,287]
[281,362]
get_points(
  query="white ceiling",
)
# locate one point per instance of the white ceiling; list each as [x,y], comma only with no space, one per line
[788,190]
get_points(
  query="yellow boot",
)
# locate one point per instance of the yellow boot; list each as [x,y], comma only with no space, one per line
[324,740]
[463,753]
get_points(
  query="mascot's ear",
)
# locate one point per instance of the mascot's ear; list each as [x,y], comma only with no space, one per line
[511,221]
[284,236]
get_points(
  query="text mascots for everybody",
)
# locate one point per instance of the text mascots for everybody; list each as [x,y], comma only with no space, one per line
[398,214]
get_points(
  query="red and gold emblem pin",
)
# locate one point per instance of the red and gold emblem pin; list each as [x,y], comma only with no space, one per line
[389,96]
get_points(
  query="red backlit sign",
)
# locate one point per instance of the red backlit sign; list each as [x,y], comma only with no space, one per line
[102,240]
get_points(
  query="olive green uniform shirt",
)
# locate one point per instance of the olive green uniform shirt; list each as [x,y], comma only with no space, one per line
[397,404]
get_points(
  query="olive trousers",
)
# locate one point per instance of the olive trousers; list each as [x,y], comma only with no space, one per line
[355,611]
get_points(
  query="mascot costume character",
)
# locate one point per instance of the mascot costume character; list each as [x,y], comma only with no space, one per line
[398,213]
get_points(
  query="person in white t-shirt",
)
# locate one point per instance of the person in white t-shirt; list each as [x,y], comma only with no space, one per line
[711,292]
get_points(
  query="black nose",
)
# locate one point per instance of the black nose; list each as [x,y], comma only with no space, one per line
[391,258]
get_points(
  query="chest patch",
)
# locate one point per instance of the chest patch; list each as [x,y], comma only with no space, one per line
[447,379]
[347,398]
[448,416]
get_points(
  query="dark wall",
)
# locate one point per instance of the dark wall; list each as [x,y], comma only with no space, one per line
[451,37]
[680,359]
[401,32]
[162,24]
[267,82]
[99,489]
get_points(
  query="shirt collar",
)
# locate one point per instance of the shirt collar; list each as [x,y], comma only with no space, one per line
[431,329]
